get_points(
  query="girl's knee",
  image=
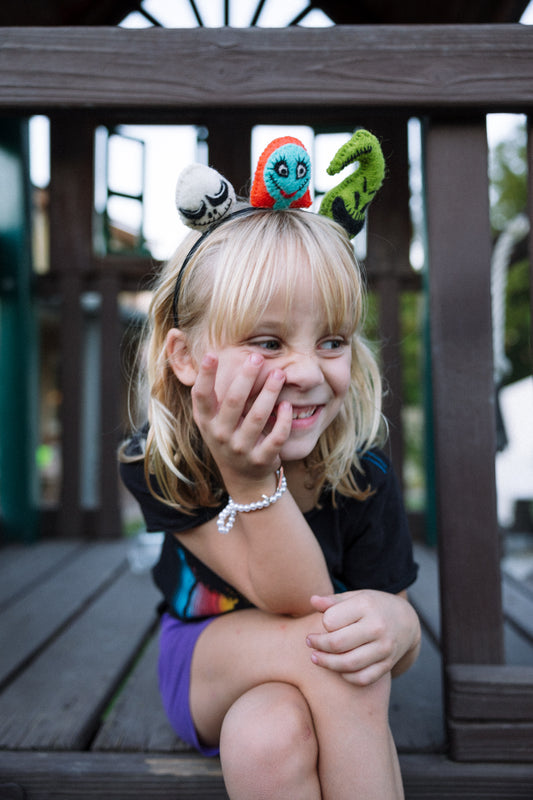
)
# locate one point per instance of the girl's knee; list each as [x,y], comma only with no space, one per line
[268,735]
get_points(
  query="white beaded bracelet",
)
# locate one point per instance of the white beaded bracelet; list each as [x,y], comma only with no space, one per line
[226,518]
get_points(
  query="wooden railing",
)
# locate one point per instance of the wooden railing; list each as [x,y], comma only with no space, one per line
[229,80]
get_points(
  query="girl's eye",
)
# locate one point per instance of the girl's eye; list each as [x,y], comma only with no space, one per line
[334,343]
[267,344]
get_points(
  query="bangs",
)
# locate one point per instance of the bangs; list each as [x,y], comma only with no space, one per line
[278,253]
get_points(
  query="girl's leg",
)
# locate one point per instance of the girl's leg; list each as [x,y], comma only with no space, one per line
[268,746]
[244,650]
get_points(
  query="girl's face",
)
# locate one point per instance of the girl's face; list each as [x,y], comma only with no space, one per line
[316,363]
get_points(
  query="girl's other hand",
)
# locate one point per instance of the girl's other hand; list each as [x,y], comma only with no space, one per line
[367,633]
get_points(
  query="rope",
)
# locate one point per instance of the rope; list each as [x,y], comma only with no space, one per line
[515,230]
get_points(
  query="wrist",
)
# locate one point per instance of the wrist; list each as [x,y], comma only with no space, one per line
[248,489]
[227,516]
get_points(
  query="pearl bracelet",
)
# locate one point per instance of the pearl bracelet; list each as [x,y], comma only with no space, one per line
[226,518]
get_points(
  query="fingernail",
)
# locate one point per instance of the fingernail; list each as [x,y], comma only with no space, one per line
[208,360]
[256,359]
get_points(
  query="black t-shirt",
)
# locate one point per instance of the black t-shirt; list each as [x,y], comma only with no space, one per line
[366,543]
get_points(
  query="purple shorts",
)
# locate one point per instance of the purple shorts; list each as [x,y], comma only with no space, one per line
[176,647]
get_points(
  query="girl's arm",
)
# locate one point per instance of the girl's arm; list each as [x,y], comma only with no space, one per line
[271,556]
[367,633]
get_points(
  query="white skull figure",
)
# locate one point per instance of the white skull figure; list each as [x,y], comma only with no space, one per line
[203,196]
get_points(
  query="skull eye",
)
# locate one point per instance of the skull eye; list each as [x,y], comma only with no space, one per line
[221,196]
[301,170]
[195,214]
[282,169]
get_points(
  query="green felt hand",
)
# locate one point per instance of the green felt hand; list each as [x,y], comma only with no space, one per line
[348,201]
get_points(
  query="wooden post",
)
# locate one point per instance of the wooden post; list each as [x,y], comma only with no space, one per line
[459,249]
[229,146]
[388,241]
[109,525]
[71,212]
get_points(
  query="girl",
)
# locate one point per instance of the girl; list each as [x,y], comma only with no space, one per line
[278,638]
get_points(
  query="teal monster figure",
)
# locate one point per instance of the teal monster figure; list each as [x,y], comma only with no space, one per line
[348,202]
[282,176]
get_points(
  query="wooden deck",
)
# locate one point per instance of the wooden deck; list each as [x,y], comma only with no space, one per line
[80,715]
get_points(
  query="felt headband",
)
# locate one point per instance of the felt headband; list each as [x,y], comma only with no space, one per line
[205,199]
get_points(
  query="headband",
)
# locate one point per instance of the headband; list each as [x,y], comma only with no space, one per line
[205,199]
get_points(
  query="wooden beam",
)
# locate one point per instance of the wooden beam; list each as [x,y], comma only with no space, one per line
[479,692]
[82,776]
[416,67]
[463,391]
[491,741]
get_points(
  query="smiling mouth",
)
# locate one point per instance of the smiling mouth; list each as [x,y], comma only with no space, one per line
[303,413]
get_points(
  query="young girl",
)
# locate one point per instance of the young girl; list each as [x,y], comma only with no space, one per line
[280,636]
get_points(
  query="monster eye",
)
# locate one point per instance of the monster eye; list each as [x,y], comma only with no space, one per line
[222,195]
[282,169]
[301,170]
[197,213]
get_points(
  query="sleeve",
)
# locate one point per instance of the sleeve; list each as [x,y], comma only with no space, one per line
[378,547]
[158,515]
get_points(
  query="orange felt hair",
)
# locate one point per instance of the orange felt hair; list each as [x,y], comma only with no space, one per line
[259,194]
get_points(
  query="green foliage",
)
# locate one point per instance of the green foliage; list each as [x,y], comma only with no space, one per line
[508,179]
[508,174]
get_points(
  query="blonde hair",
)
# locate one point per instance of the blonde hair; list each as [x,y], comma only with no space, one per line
[225,287]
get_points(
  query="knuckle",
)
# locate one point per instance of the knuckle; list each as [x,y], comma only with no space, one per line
[233,401]
[336,642]
[256,417]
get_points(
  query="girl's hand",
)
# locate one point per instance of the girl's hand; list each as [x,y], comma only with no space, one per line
[246,427]
[367,634]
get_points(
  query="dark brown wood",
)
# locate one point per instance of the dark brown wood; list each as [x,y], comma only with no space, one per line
[57,701]
[425,592]
[518,601]
[388,242]
[82,776]
[110,389]
[111,12]
[38,562]
[482,66]
[417,704]
[491,741]
[463,391]
[335,74]
[229,145]
[96,650]
[137,721]
[71,212]
[46,607]
[479,692]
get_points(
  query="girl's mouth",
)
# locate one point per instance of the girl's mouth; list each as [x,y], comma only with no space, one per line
[303,413]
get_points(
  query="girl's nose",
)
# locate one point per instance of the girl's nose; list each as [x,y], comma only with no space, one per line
[303,370]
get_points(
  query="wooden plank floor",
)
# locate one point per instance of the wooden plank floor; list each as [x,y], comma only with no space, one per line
[80,715]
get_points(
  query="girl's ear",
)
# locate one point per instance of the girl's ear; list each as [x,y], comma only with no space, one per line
[180,358]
